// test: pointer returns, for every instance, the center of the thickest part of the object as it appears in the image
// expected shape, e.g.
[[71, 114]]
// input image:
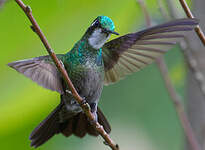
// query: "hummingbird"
[[92, 63]]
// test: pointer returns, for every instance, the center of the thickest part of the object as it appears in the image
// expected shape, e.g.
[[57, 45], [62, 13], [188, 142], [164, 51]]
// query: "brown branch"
[[178, 105], [176, 100], [188, 52], [164, 13], [189, 14], [146, 14], [85, 106]]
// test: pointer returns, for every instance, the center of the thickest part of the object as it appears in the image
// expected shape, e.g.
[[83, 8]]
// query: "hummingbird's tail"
[[47, 128], [80, 126], [77, 125]]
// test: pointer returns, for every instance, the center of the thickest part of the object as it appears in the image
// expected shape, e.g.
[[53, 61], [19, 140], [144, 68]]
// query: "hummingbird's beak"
[[111, 32]]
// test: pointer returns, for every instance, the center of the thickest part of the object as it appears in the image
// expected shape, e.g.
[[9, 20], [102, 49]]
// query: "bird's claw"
[[69, 92], [90, 107], [83, 102]]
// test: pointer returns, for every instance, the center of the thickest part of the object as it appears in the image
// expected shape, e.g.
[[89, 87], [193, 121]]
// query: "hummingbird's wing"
[[132, 52], [41, 70]]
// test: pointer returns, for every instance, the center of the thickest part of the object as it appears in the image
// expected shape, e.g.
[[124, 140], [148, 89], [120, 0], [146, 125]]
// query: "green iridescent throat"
[[81, 51]]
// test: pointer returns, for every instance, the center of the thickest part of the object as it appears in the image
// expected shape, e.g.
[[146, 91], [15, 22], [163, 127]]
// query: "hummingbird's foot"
[[83, 102], [93, 122], [93, 107], [69, 92]]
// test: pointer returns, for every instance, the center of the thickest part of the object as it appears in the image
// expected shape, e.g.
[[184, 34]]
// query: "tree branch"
[[188, 52], [178, 105], [84, 105], [176, 100], [190, 15]]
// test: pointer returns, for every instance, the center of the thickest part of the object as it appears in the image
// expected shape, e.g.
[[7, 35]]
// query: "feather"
[[41, 70], [131, 52], [46, 129]]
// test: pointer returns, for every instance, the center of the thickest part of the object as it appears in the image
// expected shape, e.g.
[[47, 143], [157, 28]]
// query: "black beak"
[[112, 32]]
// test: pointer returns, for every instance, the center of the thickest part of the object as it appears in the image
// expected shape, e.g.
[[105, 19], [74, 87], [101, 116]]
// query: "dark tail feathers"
[[77, 125]]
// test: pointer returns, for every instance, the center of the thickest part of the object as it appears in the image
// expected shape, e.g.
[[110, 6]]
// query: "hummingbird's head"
[[100, 30]]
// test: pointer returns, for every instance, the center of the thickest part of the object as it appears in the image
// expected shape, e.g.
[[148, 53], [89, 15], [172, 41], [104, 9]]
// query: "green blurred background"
[[138, 108]]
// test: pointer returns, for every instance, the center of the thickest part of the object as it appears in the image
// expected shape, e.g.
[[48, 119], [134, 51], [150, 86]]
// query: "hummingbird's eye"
[[95, 23]]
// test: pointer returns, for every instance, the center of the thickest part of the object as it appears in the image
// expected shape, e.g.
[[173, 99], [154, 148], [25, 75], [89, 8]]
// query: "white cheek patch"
[[98, 39]]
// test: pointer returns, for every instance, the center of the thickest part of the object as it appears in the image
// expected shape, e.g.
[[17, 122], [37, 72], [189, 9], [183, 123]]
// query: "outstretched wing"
[[41, 70], [132, 52]]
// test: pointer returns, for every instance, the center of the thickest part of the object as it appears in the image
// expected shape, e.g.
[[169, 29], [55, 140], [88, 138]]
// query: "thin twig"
[[189, 14], [188, 52], [146, 14], [85, 106], [176, 100], [164, 13]]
